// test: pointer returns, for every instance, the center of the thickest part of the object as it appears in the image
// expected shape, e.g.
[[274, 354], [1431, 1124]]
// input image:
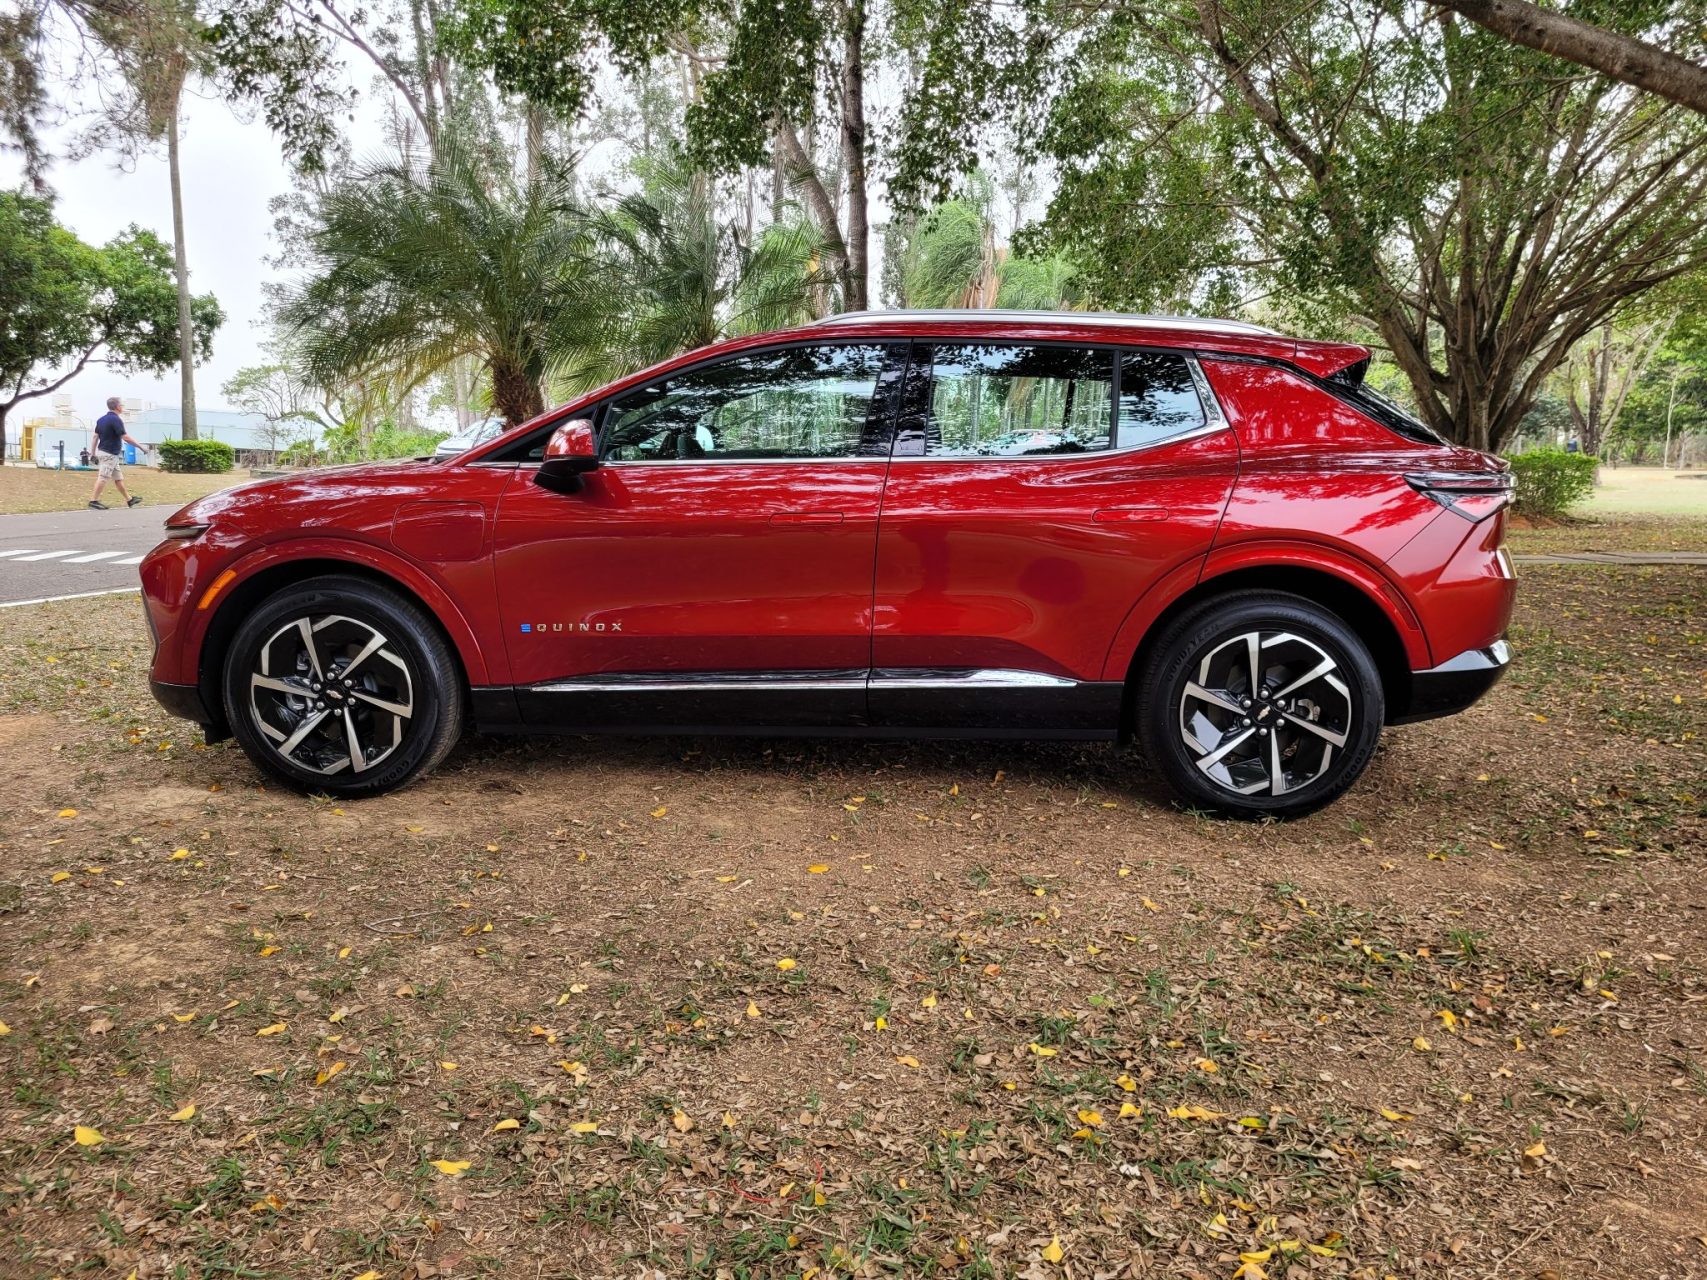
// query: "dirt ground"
[[41, 489], [730, 1008]]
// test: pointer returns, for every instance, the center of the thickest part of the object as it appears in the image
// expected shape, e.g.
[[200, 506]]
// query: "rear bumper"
[[1455, 684]]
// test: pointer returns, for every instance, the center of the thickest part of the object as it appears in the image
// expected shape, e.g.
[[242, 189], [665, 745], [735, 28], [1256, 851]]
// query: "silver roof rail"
[[999, 314]]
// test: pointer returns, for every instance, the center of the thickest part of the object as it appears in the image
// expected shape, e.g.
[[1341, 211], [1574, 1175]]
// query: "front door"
[[1037, 491], [716, 569]]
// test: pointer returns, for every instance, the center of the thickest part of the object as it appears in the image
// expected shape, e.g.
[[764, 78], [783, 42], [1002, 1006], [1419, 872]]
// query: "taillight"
[[1475, 495]]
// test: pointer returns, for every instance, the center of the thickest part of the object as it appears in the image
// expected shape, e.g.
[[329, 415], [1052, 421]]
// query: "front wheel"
[[342, 686], [1260, 704]]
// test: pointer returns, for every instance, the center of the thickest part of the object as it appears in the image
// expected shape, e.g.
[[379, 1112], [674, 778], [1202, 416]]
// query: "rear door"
[[716, 569], [1037, 490]]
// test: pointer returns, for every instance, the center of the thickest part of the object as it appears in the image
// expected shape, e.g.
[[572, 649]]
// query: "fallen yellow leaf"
[[1126, 1083], [660, 811], [1421, 1044], [504, 1126], [87, 1137], [1092, 1118], [451, 1168], [681, 1120], [186, 1113], [907, 1060], [321, 1077], [584, 1126], [818, 868], [1041, 1050], [1130, 1111], [68, 813], [1053, 1252], [272, 1030], [785, 964], [752, 1009], [929, 1002]]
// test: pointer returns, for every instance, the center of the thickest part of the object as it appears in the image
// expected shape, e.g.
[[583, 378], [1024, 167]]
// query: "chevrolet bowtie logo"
[[566, 628]]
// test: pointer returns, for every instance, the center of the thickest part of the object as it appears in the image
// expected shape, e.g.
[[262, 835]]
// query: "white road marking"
[[94, 555], [22, 551], [132, 560], [80, 595], [46, 555]]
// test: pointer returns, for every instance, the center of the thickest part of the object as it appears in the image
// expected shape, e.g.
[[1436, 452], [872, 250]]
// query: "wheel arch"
[[1371, 617], [266, 580]]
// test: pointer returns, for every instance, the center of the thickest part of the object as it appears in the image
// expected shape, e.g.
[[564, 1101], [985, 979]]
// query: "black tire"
[[411, 669], [1212, 733]]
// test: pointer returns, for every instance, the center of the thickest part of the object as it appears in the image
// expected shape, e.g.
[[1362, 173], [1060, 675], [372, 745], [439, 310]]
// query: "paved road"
[[68, 553]]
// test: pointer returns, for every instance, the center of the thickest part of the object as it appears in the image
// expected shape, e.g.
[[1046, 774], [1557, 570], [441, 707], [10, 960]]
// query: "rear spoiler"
[[1341, 362]]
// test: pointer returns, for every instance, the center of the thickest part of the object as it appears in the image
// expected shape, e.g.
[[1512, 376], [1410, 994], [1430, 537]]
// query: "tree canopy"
[[65, 305]]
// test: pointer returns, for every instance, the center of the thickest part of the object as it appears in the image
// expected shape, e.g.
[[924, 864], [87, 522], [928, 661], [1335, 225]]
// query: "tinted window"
[[1158, 399], [799, 402], [1009, 402]]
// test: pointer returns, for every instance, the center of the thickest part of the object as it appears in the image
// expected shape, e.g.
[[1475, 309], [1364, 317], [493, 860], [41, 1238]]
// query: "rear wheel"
[[1260, 704], [343, 686]]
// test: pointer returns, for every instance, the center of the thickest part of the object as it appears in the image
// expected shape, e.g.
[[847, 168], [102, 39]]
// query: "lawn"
[[588, 1008], [1649, 491], [40, 489]]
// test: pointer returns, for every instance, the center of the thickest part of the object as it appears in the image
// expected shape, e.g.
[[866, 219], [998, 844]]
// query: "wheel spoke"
[[296, 688], [1315, 673], [1195, 690], [1338, 739], [372, 647], [306, 628], [1253, 651], [358, 760], [1214, 757], [1276, 775], [308, 725], [401, 710]]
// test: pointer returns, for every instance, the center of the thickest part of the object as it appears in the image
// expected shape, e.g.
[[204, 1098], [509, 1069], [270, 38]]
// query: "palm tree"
[[678, 278], [953, 261], [419, 261]]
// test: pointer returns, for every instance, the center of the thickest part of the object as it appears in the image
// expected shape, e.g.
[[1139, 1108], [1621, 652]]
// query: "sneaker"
[[97, 506], [134, 500]]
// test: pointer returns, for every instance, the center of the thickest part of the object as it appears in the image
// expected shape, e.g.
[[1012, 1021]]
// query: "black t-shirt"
[[109, 433]]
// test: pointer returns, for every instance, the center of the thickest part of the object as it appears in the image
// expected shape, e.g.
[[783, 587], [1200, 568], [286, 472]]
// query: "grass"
[[1649, 491], [1086, 1022], [36, 489]]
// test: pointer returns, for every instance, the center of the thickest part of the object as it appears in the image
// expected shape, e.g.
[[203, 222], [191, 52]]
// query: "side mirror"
[[571, 452]]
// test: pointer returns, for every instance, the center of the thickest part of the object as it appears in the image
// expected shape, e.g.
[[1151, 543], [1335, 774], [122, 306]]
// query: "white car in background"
[[476, 433]]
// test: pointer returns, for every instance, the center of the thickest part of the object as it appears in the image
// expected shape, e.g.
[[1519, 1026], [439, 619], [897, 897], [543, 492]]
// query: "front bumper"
[[1456, 683], [186, 702]]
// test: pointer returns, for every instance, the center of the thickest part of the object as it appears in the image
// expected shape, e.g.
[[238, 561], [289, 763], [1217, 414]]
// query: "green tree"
[[67, 305], [953, 260], [677, 277], [1479, 206], [415, 262]]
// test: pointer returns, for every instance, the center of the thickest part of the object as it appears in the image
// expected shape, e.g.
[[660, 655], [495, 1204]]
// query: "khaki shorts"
[[108, 466]]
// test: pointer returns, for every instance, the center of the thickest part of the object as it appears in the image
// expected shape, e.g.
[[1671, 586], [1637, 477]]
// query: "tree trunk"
[[3, 409], [515, 393], [855, 292], [536, 140], [1611, 53], [186, 331]]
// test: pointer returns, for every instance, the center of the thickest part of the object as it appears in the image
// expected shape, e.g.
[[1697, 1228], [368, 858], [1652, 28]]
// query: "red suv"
[[1196, 533]]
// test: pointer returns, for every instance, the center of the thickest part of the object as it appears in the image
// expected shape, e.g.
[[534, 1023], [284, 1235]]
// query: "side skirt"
[[952, 703]]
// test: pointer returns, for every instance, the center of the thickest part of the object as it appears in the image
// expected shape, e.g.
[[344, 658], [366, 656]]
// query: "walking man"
[[110, 439]]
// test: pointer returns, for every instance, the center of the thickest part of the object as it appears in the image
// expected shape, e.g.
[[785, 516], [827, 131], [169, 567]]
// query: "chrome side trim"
[[706, 681], [964, 678], [789, 682]]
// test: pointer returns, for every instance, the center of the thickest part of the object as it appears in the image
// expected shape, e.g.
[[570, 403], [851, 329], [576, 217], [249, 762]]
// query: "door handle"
[[807, 517], [1129, 515]]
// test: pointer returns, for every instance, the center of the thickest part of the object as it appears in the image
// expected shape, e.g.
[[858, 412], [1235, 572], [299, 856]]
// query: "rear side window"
[[998, 401], [1158, 399]]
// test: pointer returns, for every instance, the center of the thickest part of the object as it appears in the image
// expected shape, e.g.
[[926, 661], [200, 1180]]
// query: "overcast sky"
[[231, 170]]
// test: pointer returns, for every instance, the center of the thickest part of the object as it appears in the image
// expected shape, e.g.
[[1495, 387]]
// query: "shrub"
[[1551, 481], [196, 455]]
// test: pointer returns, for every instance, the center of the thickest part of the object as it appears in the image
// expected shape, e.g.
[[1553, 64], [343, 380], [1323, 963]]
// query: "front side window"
[[989, 401], [1158, 399], [792, 403]]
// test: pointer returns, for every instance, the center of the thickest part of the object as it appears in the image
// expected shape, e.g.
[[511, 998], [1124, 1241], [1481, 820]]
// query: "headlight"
[[185, 531]]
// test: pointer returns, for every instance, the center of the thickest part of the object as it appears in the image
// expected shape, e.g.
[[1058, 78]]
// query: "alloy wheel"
[[331, 693], [1266, 713]]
